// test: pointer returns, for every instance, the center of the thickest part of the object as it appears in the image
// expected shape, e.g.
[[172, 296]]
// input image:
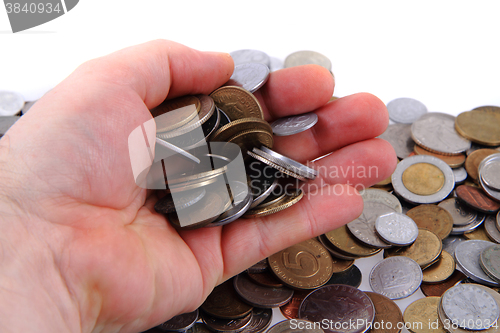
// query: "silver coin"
[[396, 277], [490, 261], [178, 150], [286, 162], [451, 242], [10, 103], [467, 255], [470, 306], [376, 203], [399, 136], [275, 64], [242, 199], [460, 175], [405, 110], [27, 106], [295, 326], [460, 230], [490, 172], [250, 76], [6, 122], [402, 191], [307, 57], [263, 179], [461, 214], [396, 229], [436, 132], [491, 228], [247, 55], [294, 124]]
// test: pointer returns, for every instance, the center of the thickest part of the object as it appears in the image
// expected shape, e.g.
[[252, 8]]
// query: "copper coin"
[[237, 103], [433, 218], [474, 159], [259, 267], [291, 309], [266, 279], [260, 296], [226, 325], [477, 199], [454, 161], [224, 302], [387, 314], [425, 250], [440, 288]]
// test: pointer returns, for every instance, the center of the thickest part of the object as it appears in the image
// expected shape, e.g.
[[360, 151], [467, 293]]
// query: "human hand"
[[82, 247]]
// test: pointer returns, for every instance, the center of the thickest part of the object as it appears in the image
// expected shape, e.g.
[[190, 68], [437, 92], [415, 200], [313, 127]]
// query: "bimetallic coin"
[[399, 136], [300, 58], [396, 277], [10, 103], [477, 199], [454, 161], [433, 218], [462, 215], [438, 289], [460, 175], [425, 250], [491, 228], [249, 56], [480, 125], [6, 122], [467, 255], [423, 179], [440, 270], [329, 303], [490, 261], [249, 76], [224, 302], [296, 326], [470, 307], [408, 193], [237, 103], [261, 296], [436, 132], [490, 173], [396, 229], [222, 325], [388, 316], [405, 110], [474, 159], [294, 124], [179, 323], [419, 315]]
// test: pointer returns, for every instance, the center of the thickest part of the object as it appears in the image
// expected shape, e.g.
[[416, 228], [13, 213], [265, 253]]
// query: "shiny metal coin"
[[491, 228], [295, 326], [275, 64], [224, 118], [294, 124], [239, 207], [402, 191], [182, 200], [451, 242], [405, 110], [177, 150], [396, 229], [6, 122], [247, 56], [436, 132], [467, 255], [262, 181], [261, 296], [462, 215], [399, 136], [249, 76], [10, 103], [490, 173], [300, 58], [490, 261], [460, 230], [396, 277], [179, 323], [460, 175], [492, 192]]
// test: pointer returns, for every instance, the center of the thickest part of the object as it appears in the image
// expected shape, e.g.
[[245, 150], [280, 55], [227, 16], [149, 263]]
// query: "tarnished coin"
[[261, 319], [425, 250], [436, 132], [388, 316], [376, 203], [180, 323], [399, 136], [259, 267], [490, 261], [237, 103], [249, 76], [291, 309], [491, 228], [437, 187], [396, 229], [454, 161], [260, 296], [294, 124], [248, 56], [440, 270], [467, 255], [174, 113], [300, 58], [421, 314], [351, 277], [474, 159], [288, 200], [462, 215], [460, 175], [432, 218], [306, 265], [405, 110], [438, 289], [226, 325], [480, 125], [10, 103], [188, 198], [224, 302], [265, 278], [6, 122], [343, 241], [295, 326], [477, 199], [451, 242], [198, 328], [329, 303], [396, 277], [470, 307]]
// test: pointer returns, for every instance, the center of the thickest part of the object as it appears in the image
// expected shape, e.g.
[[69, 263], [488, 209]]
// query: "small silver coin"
[[241, 203], [250, 76], [460, 230], [460, 175], [275, 64], [10, 103], [396, 277], [248, 55], [467, 255], [491, 228], [294, 124], [405, 110], [399, 136], [436, 132], [27, 106], [300, 58], [491, 173], [490, 261], [295, 326], [6, 122], [396, 229], [461, 214], [262, 180], [286, 162], [451, 242], [376, 203], [179, 323], [402, 191], [493, 193], [470, 307]]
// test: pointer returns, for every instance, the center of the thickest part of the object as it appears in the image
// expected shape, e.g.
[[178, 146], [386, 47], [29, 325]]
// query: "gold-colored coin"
[[247, 140], [423, 179], [306, 265], [480, 125], [421, 316], [341, 265], [478, 234], [433, 218], [387, 188], [425, 250], [174, 113], [441, 270], [342, 240], [237, 103], [384, 182], [333, 98], [454, 161], [237, 126], [474, 159], [288, 201]]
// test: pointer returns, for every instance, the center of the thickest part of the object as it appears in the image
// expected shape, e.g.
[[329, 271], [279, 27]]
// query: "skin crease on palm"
[[82, 249]]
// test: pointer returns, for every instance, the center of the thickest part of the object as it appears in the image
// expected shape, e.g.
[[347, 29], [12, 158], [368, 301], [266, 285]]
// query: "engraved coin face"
[[433, 218], [399, 136], [438, 289], [294, 124], [470, 307], [237, 103], [248, 56], [300, 58], [405, 110], [10, 103], [396, 277], [419, 314], [249, 76], [467, 255], [396, 229], [425, 250]]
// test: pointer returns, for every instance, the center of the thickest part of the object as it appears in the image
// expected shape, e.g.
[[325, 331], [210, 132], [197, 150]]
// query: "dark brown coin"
[[179, 323], [341, 305], [261, 319], [474, 159], [291, 309], [439, 289], [454, 161], [477, 199], [259, 267], [226, 325], [198, 328], [266, 279], [387, 314], [261, 296], [351, 277], [432, 218], [224, 302]]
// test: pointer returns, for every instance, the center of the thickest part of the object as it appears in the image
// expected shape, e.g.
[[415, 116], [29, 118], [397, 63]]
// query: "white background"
[[445, 54]]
